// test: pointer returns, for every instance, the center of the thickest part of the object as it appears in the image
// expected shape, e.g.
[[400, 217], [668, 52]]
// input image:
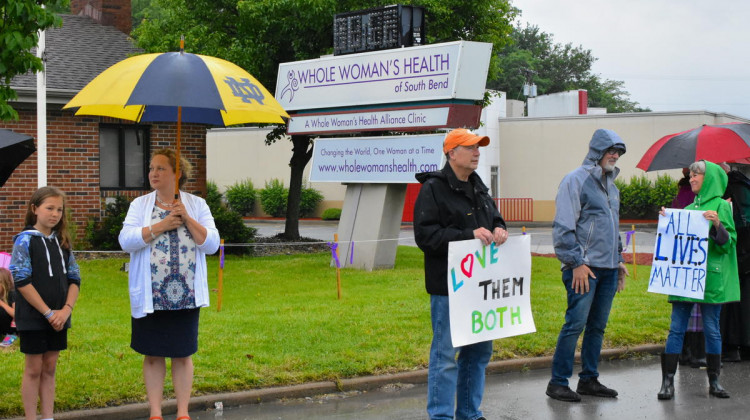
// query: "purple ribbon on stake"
[[628, 234], [351, 254], [221, 261], [333, 246]]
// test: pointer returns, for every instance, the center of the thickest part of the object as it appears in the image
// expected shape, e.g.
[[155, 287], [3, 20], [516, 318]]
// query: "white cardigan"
[[139, 273]]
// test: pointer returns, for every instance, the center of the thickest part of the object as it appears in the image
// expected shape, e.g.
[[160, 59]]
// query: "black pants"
[[5, 321]]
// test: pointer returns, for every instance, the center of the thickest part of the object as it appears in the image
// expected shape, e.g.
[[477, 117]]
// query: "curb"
[[206, 402]]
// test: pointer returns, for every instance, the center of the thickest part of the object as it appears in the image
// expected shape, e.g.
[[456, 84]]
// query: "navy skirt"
[[166, 333]]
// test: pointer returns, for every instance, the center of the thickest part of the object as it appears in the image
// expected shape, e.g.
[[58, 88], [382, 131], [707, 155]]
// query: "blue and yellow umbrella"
[[179, 87]]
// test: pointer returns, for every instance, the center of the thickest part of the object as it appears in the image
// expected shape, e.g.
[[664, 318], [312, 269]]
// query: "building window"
[[123, 154]]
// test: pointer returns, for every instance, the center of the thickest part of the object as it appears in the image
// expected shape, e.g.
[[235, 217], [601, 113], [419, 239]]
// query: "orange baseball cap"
[[463, 137]]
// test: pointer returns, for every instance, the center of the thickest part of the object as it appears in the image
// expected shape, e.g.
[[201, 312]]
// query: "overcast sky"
[[672, 54]]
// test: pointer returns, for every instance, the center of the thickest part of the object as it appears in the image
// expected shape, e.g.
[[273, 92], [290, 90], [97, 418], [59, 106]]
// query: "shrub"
[[233, 230], [102, 235], [229, 223], [273, 198], [641, 199], [664, 191], [213, 196], [309, 200], [241, 197], [331, 214]]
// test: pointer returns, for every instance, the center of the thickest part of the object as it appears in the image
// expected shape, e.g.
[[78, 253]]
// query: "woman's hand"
[[174, 219], [712, 217], [663, 211]]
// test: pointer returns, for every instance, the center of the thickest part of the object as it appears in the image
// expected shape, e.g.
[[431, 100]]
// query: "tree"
[[556, 68], [258, 35], [22, 20]]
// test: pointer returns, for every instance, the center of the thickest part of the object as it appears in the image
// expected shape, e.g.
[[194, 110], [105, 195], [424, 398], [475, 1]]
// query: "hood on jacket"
[[602, 140], [715, 183], [739, 177], [30, 231]]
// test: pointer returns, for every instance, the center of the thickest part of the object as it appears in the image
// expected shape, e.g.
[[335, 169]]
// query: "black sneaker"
[[593, 387], [562, 393]]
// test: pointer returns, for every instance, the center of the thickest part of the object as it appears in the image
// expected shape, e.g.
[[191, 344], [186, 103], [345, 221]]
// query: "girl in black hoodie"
[[47, 280]]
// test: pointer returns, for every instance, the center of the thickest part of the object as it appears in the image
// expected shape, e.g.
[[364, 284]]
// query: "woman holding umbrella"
[[168, 240], [708, 181]]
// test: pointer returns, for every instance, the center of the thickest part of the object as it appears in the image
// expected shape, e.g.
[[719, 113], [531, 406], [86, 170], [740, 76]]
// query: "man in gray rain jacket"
[[587, 243]]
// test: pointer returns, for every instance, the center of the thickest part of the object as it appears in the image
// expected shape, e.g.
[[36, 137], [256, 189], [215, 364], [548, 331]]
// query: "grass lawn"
[[281, 323]]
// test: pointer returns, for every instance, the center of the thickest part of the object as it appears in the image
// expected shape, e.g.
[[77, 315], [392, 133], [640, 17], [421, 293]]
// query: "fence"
[[516, 209]]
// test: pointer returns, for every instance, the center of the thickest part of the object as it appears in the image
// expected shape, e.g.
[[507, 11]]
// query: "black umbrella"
[[14, 149]]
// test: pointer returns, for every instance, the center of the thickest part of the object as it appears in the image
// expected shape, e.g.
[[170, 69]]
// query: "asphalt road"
[[541, 236], [520, 395]]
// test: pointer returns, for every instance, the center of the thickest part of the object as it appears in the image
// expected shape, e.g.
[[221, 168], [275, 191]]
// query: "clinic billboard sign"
[[452, 70]]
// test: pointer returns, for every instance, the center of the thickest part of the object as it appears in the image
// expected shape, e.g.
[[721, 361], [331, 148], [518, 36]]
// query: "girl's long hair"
[[6, 284], [61, 227]]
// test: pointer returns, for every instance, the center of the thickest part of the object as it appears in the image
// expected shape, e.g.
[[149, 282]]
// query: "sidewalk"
[[200, 404]]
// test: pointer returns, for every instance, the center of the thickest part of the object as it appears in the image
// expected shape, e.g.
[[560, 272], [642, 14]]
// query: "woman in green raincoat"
[[708, 181]]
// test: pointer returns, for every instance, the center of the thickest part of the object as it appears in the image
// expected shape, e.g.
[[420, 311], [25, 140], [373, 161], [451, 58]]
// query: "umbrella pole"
[[177, 168]]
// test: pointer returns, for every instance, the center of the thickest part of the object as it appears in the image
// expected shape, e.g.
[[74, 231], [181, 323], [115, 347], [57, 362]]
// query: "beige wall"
[[535, 153], [234, 154]]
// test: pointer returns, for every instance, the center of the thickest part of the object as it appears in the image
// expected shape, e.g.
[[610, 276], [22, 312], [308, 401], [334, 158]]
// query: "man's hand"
[[499, 235], [484, 235], [622, 272], [581, 276]]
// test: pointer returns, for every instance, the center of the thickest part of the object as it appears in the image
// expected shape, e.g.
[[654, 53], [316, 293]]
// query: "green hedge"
[[641, 198], [331, 214], [241, 197]]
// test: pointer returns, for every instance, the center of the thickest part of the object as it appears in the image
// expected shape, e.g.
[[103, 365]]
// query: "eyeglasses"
[[614, 150]]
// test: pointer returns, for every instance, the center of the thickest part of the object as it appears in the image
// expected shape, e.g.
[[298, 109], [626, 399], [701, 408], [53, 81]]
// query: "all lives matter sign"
[[489, 290], [680, 254]]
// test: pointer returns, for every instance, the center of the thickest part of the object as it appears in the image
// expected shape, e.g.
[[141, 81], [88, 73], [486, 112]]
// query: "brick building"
[[89, 158]]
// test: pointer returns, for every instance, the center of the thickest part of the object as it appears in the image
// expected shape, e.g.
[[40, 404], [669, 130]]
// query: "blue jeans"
[[450, 379], [590, 311], [680, 317]]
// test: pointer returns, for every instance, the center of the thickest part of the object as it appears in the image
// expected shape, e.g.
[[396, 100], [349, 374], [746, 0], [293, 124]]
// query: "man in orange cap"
[[454, 205]]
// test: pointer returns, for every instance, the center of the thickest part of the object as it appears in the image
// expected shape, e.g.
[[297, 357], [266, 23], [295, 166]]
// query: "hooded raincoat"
[[587, 216], [722, 284]]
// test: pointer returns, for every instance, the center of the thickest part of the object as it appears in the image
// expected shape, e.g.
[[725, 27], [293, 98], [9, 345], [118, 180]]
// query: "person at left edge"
[[453, 205], [168, 240]]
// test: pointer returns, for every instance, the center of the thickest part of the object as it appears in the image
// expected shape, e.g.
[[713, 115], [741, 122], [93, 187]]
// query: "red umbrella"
[[728, 142]]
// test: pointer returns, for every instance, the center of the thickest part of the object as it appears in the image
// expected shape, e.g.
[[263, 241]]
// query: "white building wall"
[[236, 154], [490, 126], [554, 104]]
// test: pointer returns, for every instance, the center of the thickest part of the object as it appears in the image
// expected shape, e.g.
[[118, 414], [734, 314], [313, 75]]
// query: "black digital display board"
[[380, 28]]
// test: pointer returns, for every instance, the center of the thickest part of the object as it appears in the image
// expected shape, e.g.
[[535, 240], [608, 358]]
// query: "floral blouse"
[[172, 267]]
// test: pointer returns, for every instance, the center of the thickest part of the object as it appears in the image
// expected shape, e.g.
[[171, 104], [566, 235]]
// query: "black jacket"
[[444, 212], [41, 262]]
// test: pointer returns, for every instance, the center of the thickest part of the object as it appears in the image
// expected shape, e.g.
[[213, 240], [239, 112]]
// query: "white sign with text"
[[489, 288], [680, 254], [451, 70], [387, 159], [368, 120]]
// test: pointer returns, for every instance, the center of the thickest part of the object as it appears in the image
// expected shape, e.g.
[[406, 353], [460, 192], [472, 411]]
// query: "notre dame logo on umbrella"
[[245, 90]]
